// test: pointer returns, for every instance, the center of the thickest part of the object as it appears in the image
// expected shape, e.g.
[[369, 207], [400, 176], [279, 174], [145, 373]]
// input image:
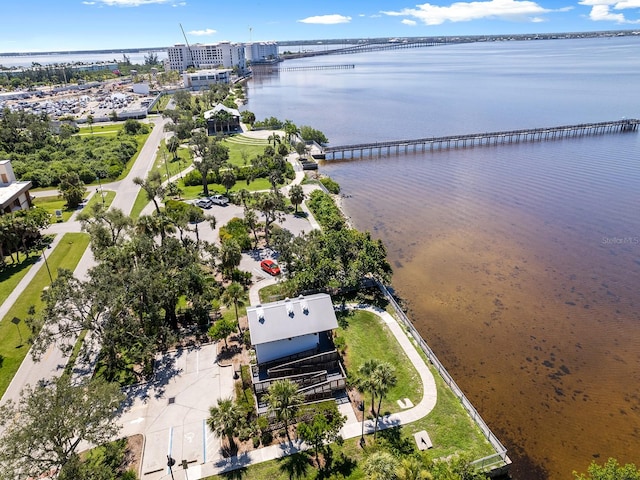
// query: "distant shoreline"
[[286, 43]]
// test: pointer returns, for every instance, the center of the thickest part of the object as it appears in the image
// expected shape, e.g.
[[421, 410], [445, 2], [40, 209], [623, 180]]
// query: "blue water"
[[519, 264]]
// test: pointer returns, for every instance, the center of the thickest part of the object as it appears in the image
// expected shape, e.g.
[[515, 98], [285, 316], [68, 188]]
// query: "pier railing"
[[496, 462], [481, 139]]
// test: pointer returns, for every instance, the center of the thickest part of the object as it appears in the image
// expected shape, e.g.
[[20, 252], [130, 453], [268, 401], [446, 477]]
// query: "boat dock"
[[480, 139]]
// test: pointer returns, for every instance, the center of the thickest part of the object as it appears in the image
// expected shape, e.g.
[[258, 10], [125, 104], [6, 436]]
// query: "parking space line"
[[170, 446]]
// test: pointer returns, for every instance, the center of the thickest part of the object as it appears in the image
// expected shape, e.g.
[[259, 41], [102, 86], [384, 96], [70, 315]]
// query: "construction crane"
[[192, 64]]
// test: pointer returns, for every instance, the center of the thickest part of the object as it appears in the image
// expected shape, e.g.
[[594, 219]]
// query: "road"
[[53, 361]]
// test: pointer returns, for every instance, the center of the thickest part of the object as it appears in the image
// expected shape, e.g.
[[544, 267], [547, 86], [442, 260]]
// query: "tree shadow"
[[237, 474], [295, 466], [396, 443], [340, 467]]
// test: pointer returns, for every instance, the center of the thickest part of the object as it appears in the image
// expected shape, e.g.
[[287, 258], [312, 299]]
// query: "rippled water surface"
[[520, 263]]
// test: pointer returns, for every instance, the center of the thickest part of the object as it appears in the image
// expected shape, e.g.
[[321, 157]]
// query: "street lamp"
[[47, 265], [362, 440], [101, 192], [170, 463]]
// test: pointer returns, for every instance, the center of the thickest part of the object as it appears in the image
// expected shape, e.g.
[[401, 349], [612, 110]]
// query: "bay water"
[[520, 264]]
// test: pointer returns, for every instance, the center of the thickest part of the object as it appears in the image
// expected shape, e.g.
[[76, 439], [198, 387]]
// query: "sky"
[[65, 25]]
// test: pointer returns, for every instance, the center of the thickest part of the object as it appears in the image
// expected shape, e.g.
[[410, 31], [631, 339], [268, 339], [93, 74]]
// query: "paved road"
[[53, 361]]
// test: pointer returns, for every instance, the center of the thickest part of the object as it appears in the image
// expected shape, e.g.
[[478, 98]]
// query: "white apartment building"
[[206, 56], [14, 195], [204, 78], [261, 52]]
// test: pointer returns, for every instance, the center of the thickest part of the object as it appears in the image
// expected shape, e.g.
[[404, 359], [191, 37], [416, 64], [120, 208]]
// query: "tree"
[[152, 187], [233, 296], [275, 138], [322, 429], [90, 120], [296, 195], [172, 145], [271, 206], [412, 468], [611, 470], [226, 419], [365, 381], [284, 401], [72, 189], [380, 465], [44, 429], [309, 134], [384, 378], [221, 329], [227, 179], [230, 256], [290, 130]]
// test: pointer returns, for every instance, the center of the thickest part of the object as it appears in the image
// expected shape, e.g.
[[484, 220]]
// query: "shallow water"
[[520, 263]]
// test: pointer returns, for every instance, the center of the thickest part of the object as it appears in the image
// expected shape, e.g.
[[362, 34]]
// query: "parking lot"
[[171, 410]]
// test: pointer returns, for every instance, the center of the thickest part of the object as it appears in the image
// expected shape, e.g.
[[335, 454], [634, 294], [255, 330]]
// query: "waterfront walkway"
[[481, 139]]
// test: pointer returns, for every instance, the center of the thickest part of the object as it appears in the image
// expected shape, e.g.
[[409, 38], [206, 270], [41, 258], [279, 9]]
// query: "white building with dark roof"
[[14, 195], [288, 327]]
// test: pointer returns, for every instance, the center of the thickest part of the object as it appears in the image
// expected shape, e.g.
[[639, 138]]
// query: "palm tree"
[[411, 468], [233, 295], [275, 138], [365, 380], [152, 187], [296, 195], [284, 400], [226, 419], [380, 465], [172, 145], [384, 378]]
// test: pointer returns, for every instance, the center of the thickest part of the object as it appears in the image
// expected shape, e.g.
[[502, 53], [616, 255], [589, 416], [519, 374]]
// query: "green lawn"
[[110, 130], [11, 275], [139, 204], [368, 338], [12, 350], [52, 204], [108, 196], [242, 150]]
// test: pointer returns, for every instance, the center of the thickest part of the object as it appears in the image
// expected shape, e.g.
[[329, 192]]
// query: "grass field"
[[52, 204], [13, 339], [12, 274]]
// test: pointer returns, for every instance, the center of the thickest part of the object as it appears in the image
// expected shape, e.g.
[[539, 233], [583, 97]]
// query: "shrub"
[[330, 185]]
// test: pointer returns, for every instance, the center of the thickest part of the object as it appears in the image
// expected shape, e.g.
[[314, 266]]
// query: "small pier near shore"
[[480, 139]]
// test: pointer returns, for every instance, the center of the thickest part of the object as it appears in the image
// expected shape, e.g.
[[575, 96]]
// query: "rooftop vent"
[[260, 312], [305, 307]]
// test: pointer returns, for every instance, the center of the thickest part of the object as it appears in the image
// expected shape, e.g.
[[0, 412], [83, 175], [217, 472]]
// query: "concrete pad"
[[406, 403], [422, 440]]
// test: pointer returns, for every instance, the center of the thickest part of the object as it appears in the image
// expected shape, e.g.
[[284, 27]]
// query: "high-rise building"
[[261, 52], [207, 56]]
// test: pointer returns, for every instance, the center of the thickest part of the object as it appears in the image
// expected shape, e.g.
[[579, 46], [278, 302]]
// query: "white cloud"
[[131, 3], [326, 19], [202, 33], [516, 10], [601, 10], [411, 23], [88, 3], [179, 4]]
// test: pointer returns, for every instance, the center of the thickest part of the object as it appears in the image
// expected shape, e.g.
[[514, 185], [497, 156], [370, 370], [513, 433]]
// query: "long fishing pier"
[[481, 139], [262, 69]]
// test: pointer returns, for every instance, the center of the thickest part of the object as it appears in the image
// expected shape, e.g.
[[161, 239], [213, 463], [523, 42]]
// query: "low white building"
[[14, 195], [291, 326], [204, 78]]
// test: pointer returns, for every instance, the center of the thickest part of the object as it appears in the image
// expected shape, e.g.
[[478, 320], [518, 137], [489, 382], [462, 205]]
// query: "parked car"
[[219, 200], [270, 267], [204, 203]]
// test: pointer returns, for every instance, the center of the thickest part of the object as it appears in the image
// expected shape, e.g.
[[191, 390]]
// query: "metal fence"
[[491, 462]]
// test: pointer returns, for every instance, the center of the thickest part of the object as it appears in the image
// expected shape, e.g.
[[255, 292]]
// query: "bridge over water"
[[481, 139], [366, 47]]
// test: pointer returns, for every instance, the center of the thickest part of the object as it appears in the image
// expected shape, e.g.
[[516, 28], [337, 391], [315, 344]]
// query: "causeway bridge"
[[480, 139], [366, 47]]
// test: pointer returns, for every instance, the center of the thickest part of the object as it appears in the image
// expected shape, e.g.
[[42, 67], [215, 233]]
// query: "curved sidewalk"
[[353, 428]]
